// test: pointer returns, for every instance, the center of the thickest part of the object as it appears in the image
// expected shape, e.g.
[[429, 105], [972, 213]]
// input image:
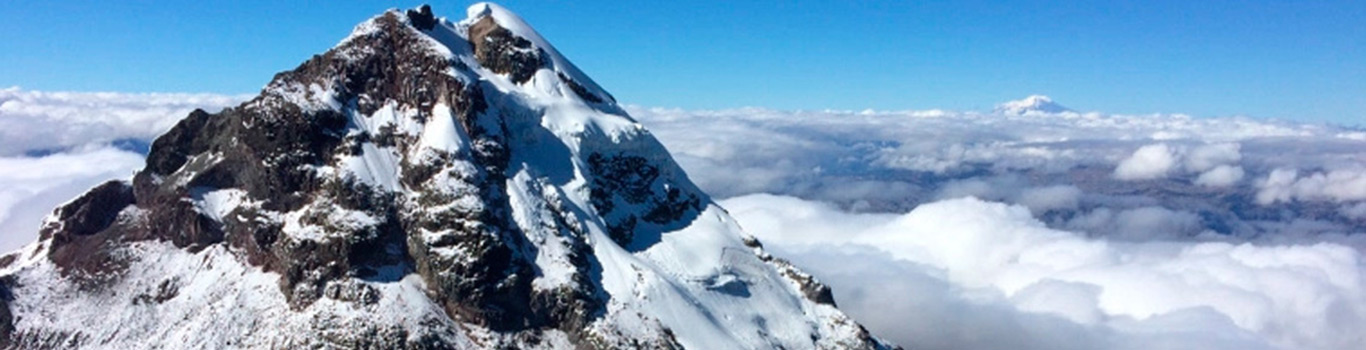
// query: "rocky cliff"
[[425, 184]]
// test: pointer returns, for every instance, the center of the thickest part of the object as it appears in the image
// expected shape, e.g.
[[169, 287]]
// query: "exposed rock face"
[[422, 18], [80, 237], [6, 319], [499, 50], [424, 184]]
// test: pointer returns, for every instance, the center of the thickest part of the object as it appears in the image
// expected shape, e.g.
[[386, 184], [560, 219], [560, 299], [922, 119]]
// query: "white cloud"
[[1077, 302], [1354, 135], [814, 154], [894, 160], [1157, 161], [982, 261], [30, 187], [1277, 187], [1284, 185], [1220, 176], [1206, 157], [1083, 261], [1149, 162], [53, 121]]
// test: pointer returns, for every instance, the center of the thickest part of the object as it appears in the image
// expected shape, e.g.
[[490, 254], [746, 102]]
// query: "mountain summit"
[[425, 184], [1032, 104]]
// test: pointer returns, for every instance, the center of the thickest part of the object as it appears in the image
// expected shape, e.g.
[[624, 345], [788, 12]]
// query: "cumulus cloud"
[[1148, 162], [1283, 185], [967, 273], [1220, 176], [1206, 157], [1160, 160]]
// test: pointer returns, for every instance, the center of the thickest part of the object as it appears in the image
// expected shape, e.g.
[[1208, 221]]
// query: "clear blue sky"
[[1303, 60]]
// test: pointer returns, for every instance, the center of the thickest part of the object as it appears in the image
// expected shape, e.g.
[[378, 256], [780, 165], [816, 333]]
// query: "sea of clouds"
[[1010, 229], [1032, 229]]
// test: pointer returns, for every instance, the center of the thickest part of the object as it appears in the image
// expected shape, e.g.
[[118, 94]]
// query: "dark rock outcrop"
[[6, 317], [80, 238], [499, 50], [582, 91], [422, 18], [93, 211], [627, 180], [268, 148], [327, 180]]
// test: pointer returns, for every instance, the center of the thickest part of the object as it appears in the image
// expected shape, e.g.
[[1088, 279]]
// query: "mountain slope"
[[423, 184]]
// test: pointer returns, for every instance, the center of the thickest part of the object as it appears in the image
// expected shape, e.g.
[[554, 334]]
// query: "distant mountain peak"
[[1032, 104]]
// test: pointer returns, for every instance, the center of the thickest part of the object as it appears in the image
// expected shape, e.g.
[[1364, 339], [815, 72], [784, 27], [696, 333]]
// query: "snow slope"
[[1034, 104], [550, 170]]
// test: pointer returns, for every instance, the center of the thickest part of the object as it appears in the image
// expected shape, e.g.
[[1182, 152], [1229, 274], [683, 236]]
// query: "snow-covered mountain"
[[1031, 104], [424, 184]]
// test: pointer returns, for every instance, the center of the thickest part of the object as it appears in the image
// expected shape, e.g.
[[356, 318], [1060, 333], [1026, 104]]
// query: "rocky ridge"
[[424, 184]]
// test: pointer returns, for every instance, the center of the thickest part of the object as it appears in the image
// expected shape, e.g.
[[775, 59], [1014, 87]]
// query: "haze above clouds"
[[1022, 228]]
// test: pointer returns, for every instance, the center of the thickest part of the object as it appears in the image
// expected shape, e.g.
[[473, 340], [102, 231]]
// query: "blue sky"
[[1302, 60]]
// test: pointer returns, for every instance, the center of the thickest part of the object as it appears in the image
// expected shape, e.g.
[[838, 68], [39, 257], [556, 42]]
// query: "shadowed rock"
[[503, 52]]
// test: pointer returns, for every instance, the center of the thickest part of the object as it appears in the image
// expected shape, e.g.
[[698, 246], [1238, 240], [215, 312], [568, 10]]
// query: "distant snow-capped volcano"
[[1031, 104]]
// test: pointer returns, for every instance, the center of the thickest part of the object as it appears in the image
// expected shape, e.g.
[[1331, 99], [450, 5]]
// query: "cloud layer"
[[1052, 230], [30, 187], [941, 229], [968, 273], [1234, 178], [37, 122]]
